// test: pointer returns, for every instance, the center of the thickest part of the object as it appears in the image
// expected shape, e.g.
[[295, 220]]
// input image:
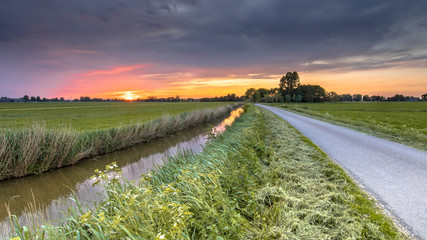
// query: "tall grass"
[[37, 149], [259, 180]]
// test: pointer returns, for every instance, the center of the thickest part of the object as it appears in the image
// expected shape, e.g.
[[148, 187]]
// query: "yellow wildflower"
[[85, 217]]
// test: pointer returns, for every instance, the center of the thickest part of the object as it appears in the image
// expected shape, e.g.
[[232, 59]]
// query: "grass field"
[[403, 122], [261, 179], [36, 148], [89, 116]]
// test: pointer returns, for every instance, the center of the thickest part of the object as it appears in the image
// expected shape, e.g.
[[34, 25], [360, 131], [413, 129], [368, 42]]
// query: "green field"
[[404, 122], [92, 115], [261, 179], [35, 138]]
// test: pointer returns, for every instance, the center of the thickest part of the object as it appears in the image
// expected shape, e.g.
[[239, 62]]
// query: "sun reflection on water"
[[228, 121]]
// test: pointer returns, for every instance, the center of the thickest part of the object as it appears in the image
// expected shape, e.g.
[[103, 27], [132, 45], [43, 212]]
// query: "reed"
[[38, 148], [261, 179]]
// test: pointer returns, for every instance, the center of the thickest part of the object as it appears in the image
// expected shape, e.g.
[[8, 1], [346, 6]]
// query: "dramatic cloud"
[[46, 45]]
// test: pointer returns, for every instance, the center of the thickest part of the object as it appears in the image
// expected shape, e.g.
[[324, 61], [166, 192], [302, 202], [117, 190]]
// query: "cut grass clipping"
[[261, 179], [402, 122], [38, 149]]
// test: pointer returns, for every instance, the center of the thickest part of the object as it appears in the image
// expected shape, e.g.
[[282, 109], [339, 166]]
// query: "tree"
[[249, 93], [333, 97], [279, 97], [263, 92], [312, 93], [346, 98], [319, 94], [307, 93], [84, 99], [256, 97], [289, 83], [357, 97], [26, 98], [377, 98], [273, 92], [424, 97], [366, 98], [397, 97]]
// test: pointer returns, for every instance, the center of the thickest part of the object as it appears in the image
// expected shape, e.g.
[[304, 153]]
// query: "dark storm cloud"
[[220, 33]]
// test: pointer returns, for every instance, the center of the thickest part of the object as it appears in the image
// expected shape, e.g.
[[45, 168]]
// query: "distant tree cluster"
[[168, 99], [228, 98], [291, 90], [26, 98]]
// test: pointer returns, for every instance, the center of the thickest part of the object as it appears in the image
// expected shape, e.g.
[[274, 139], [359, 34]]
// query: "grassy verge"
[[400, 122], [261, 179], [37, 149]]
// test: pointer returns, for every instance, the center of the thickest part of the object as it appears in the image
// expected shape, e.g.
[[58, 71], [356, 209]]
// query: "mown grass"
[[92, 115], [403, 122], [261, 179], [37, 149]]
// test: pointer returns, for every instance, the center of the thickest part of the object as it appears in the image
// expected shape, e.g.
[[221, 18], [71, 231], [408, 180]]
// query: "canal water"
[[38, 199]]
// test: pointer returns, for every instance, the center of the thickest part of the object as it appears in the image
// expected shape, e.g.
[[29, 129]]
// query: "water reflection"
[[228, 121], [48, 195]]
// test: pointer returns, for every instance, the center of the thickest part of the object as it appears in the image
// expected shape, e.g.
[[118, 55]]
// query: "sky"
[[206, 48]]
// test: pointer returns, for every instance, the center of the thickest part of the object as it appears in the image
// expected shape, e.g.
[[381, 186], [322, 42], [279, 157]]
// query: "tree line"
[[26, 98], [291, 90], [227, 98]]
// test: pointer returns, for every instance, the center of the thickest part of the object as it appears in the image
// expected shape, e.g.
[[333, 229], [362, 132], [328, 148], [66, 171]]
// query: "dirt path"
[[395, 174]]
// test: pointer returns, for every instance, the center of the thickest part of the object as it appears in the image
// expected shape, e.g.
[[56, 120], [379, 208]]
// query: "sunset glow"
[[129, 95], [134, 83]]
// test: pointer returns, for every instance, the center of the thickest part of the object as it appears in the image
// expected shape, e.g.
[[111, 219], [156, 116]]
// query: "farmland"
[[90, 116], [261, 179], [403, 122], [30, 147]]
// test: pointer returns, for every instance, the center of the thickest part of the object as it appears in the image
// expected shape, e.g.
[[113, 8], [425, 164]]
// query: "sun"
[[129, 95]]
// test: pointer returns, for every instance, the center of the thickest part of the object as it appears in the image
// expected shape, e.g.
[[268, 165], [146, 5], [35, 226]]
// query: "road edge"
[[398, 223]]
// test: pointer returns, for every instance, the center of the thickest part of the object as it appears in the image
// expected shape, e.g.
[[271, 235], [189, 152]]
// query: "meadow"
[[403, 122], [90, 115], [34, 147], [261, 179]]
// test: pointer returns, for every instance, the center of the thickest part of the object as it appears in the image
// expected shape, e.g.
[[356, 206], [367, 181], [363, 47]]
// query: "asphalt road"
[[394, 173]]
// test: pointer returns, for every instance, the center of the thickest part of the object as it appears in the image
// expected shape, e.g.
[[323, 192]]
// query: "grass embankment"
[[403, 122], [37, 149], [261, 179], [83, 116]]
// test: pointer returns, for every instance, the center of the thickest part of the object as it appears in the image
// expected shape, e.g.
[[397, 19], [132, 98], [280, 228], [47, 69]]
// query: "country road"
[[395, 174]]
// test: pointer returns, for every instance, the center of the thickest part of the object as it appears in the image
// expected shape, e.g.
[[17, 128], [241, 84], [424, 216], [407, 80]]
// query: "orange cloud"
[[116, 70]]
